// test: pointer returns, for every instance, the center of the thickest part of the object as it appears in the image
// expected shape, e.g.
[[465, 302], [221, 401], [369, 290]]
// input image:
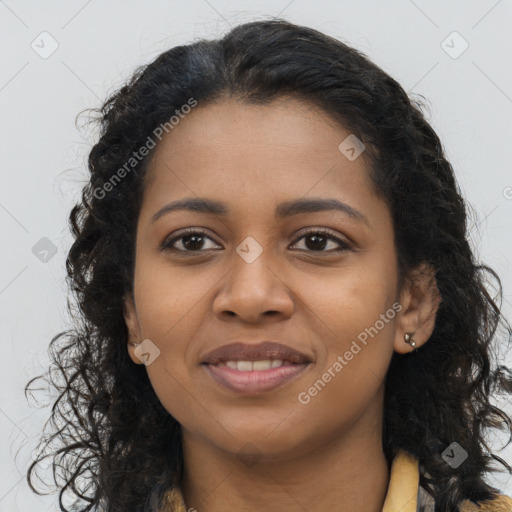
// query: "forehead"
[[253, 154], [286, 126]]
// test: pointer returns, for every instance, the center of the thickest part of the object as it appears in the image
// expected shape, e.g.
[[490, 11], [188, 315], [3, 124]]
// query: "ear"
[[420, 299], [132, 324]]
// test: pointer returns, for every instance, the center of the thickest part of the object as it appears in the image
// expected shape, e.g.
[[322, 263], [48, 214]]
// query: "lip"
[[255, 352], [255, 381]]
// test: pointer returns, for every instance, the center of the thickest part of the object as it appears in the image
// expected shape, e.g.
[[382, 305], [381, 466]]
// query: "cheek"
[[351, 376], [169, 301], [353, 298], [171, 310], [355, 318], [182, 401]]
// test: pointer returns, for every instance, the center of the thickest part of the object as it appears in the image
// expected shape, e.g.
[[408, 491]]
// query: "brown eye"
[[191, 240], [317, 240]]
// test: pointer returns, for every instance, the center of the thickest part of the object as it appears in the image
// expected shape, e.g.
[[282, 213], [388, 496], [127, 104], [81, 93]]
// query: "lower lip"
[[255, 381]]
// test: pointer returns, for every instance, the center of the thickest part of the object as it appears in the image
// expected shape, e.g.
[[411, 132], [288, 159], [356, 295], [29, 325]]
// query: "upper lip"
[[255, 352]]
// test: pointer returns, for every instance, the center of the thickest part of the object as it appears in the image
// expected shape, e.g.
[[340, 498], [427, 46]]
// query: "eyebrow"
[[283, 210]]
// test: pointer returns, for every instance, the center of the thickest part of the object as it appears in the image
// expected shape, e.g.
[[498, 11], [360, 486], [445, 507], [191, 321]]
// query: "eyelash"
[[167, 245]]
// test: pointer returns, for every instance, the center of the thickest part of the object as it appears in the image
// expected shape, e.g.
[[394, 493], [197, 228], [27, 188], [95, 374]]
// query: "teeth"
[[261, 365], [244, 366], [247, 366]]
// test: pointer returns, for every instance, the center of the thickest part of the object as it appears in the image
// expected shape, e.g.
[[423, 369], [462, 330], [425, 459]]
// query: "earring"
[[134, 343], [408, 339]]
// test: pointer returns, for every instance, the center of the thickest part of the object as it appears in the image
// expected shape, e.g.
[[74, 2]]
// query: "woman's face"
[[260, 272]]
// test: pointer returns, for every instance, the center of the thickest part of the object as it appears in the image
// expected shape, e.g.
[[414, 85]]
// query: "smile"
[[254, 377]]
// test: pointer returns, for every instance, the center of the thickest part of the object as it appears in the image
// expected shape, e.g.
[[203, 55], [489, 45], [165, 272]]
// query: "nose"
[[253, 291]]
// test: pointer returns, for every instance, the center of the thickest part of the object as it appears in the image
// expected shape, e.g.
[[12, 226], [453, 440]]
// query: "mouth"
[[253, 369]]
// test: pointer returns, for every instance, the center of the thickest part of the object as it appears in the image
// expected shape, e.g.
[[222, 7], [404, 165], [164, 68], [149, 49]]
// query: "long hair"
[[119, 448]]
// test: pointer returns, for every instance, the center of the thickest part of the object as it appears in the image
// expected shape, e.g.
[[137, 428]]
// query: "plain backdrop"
[[67, 56]]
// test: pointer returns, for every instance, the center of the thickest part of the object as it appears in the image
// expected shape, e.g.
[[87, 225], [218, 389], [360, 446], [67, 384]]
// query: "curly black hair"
[[115, 445]]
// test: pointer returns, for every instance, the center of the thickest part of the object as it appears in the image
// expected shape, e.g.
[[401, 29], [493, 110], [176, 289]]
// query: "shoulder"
[[500, 503]]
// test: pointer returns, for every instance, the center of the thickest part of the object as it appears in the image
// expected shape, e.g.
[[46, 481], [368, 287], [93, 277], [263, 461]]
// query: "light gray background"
[[100, 43]]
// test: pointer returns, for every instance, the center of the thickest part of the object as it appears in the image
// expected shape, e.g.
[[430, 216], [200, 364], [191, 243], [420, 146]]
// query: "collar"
[[402, 495], [404, 491]]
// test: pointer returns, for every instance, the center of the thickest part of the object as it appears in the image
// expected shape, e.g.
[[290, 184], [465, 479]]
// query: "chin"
[[265, 441]]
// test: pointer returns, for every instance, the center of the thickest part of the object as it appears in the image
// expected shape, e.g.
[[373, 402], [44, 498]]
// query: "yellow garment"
[[401, 496]]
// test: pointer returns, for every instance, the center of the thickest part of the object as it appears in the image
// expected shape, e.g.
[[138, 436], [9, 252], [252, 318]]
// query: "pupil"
[[191, 246], [315, 244]]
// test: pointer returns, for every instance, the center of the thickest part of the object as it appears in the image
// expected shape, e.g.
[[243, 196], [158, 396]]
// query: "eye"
[[191, 239], [319, 238]]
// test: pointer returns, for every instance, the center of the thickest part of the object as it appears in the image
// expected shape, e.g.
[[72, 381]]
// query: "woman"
[[278, 305]]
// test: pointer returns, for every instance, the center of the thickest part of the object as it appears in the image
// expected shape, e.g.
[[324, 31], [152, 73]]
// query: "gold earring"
[[408, 339]]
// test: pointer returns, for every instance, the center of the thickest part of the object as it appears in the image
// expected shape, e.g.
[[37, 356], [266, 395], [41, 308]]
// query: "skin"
[[243, 452]]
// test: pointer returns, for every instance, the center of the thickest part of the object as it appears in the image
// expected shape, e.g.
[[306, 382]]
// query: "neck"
[[345, 474]]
